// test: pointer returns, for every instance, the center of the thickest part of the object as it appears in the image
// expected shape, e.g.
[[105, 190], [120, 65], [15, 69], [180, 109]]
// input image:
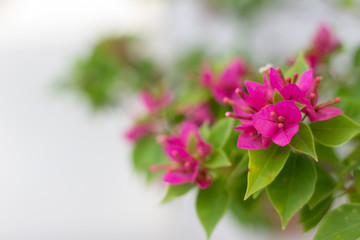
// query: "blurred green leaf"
[[217, 159], [175, 191], [341, 223], [309, 218], [211, 205], [147, 152], [324, 187], [293, 187]]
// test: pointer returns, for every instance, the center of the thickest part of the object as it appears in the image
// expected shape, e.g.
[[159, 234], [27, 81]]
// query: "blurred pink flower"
[[139, 131], [198, 114], [155, 103], [224, 85], [187, 151], [323, 44]]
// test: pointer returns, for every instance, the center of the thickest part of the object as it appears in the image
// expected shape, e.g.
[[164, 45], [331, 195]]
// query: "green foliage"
[[309, 218], [220, 132], [326, 154], [341, 223], [324, 187], [303, 141], [299, 66], [211, 205], [217, 159], [175, 191], [335, 131], [293, 187], [114, 67], [357, 180], [264, 166], [147, 152]]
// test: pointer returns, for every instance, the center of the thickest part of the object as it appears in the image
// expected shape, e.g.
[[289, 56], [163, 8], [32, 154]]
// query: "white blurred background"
[[65, 173]]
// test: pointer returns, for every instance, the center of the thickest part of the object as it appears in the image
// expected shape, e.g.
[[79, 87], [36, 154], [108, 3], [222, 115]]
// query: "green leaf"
[[324, 187], [148, 152], [175, 191], [341, 223], [211, 205], [309, 218], [357, 179], [293, 187], [335, 131], [303, 141], [240, 168], [326, 154], [217, 159], [220, 132], [299, 105], [277, 97], [299, 66], [264, 166]]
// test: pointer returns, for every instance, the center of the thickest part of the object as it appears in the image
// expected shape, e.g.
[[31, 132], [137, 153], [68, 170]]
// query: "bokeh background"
[[65, 171]]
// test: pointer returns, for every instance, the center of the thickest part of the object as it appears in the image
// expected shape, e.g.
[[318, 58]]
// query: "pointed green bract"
[[309, 218], [211, 205], [175, 191], [220, 132], [264, 166], [217, 159], [299, 66], [324, 187], [277, 97], [341, 223], [303, 141], [335, 131], [293, 187]]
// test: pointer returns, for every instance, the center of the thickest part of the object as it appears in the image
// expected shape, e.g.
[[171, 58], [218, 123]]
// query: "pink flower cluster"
[[187, 151], [323, 44], [265, 121], [225, 84], [153, 105]]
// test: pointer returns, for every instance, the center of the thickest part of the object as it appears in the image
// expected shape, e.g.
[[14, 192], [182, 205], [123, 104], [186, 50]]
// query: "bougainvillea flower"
[[139, 131], [155, 103], [224, 85], [279, 122], [198, 114], [187, 151], [309, 87], [323, 44], [304, 91]]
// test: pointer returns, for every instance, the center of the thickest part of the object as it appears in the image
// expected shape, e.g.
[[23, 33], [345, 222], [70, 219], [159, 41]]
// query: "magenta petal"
[[258, 93], [176, 178], [264, 123], [247, 141], [289, 110], [139, 131], [266, 141], [275, 80], [283, 136], [291, 92], [176, 152], [326, 113], [306, 82], [206, 76]]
